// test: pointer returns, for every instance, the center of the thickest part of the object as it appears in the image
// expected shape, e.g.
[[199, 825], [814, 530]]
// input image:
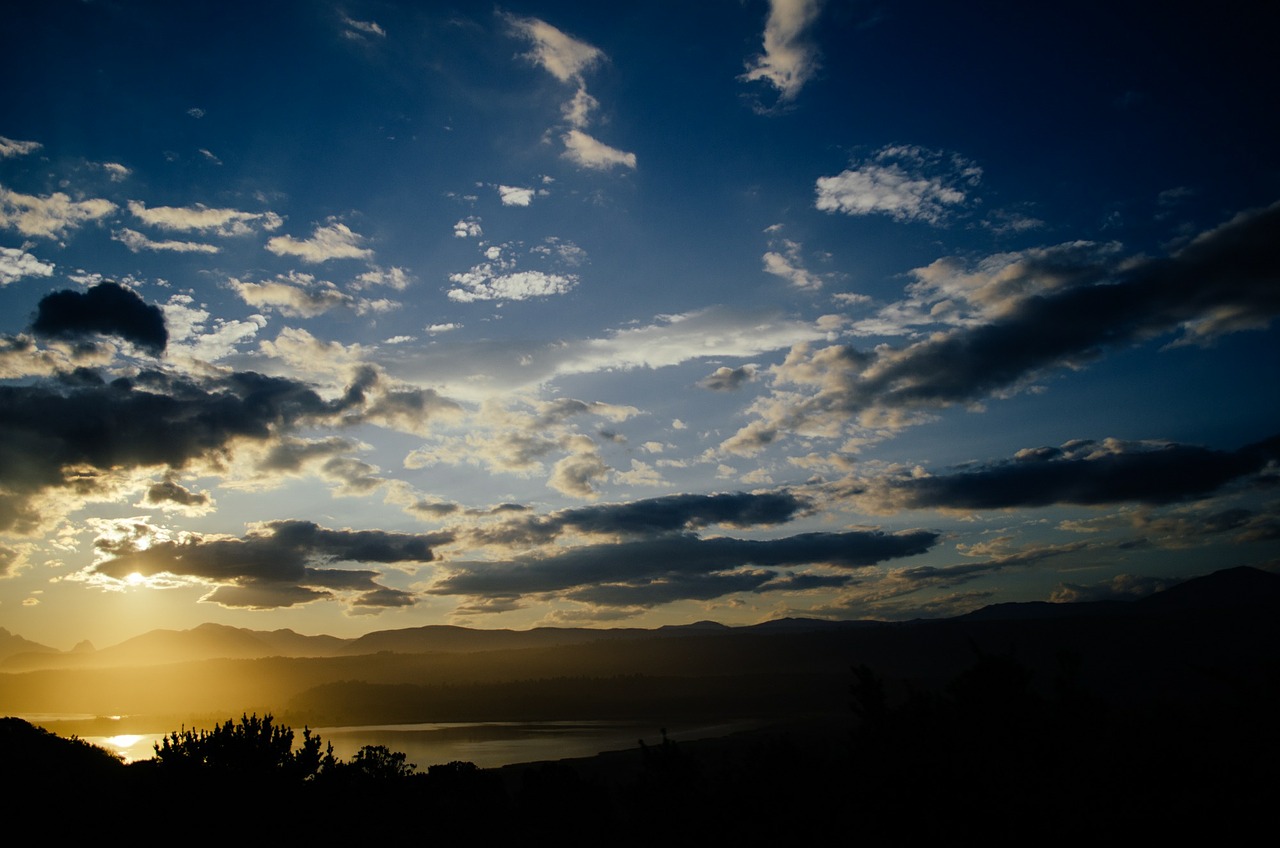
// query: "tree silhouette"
[[254, 746]]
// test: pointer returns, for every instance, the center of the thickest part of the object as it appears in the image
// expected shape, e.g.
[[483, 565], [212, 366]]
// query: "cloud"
[[202, 219], [106, 309], [905, 182], [561, 55], [10, 148], [725, 379], [518, 437], [360, 29], [1031, 322], [577, 112], [115, 171], [665, 568], [468, 228], [647, 517], [789, 59], [394, 278], [1082, 472], [276, 564], [334, 241], [788, 265], [82, 437], [1122, 587], [484, 282], [16, 264], [49, 217], [192, 331], [169, 495], [515, 196], [294, 294], [588, 152], [136, 242]]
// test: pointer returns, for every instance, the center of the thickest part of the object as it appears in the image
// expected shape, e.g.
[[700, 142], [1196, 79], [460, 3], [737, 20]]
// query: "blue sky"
[[352, 316]]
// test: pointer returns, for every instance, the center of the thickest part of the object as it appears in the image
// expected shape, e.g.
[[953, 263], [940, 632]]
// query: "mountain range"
[[1236, 588]]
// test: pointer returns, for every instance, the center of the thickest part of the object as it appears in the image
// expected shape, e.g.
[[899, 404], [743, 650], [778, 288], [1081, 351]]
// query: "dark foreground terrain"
[[1139, 722], [986, 758]]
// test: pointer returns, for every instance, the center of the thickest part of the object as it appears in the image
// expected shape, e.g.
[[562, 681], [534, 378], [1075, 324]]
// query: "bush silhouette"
[[254, 746]]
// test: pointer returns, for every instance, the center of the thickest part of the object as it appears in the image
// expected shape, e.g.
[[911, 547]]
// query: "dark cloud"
[[667, 514], [1227, 279], [726, 379], [281, 564], [1085, 473], [107, 309], [169, 492], [62, 435], [676, 560]]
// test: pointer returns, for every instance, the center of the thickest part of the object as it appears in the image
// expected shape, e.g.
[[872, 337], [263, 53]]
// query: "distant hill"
[[1230, 589], [11, 644]]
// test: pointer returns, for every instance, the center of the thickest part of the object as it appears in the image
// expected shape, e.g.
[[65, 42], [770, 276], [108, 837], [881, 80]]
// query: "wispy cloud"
[[561, 55], [201, 218], [361, 29], [789, 60], [567, 59], [10, 147], [136, 242]]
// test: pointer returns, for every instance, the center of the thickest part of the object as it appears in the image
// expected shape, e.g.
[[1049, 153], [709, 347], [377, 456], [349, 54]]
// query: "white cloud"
[[200, 218], [482, 283], [395, 278], [209, 154], [561, 55], [16, 264], [577, 112], [49, 216], [10, 147], [641, 474], [468, 228], [115, 171], [196, 112], [788, 265], [788, 61], [906, 183], [442, 328], [136, 241], [191, 331], [515, 196], [335, 241], [295, 294], [589, 152]]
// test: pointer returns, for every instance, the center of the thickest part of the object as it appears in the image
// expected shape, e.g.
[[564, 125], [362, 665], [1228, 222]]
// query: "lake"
[[487, 744]]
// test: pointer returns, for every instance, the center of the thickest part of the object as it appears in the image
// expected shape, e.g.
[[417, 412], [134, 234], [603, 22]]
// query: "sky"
[[354, 316]]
